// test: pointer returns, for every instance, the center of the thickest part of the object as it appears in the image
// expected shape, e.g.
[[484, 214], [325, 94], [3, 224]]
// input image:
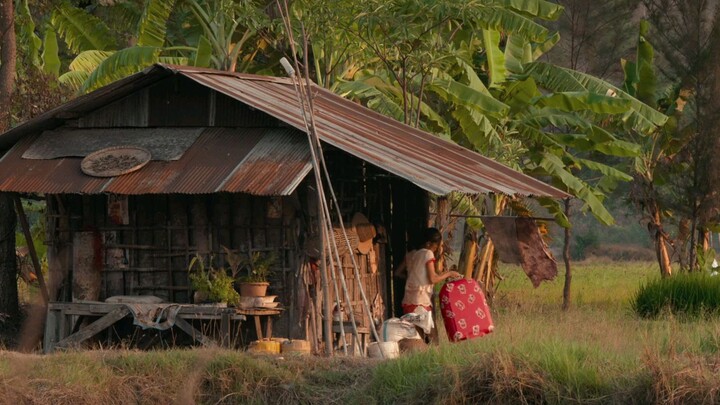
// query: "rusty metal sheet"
[[280, 160], [434, 164], [163, 143], [55, 176], [222, 159]]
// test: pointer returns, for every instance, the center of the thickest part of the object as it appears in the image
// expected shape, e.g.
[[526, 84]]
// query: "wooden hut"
[[230, 166]]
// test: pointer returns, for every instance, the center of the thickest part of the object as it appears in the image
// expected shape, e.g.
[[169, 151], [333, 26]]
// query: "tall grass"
[[687, 295], [598, 352]]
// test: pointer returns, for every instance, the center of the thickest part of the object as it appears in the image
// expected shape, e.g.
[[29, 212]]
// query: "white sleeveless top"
[[418, 288]]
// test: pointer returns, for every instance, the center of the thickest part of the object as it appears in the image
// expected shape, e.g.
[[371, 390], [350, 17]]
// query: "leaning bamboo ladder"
[[329, 243]]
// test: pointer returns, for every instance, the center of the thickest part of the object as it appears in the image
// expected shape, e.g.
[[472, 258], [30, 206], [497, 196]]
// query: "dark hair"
[[432, 235]]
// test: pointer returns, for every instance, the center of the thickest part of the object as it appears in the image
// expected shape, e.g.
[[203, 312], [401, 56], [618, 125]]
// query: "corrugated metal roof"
[[222, 159], [432, 163], [436, 165]]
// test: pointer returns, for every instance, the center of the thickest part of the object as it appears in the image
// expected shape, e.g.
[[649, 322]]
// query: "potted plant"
[[211, 284], [255, 282]]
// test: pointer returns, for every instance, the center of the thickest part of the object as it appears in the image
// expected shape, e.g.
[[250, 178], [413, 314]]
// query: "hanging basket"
[[253, 289]]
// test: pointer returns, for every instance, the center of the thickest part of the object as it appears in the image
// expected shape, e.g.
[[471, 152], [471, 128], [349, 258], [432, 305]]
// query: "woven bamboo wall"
[[370, 282], [150, 254]]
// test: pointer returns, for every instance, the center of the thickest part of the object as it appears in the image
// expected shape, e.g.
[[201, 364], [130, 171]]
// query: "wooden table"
[[59, 331], [259, 313]]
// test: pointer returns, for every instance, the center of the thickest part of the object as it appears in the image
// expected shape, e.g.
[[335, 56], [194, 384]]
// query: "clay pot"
[[254, 289]]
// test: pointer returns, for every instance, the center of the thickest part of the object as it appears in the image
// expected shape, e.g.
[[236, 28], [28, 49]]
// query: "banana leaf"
[[80, 30], [495, 58], [203, 55], [87, 61], [120, 64], [555, 167], [153, 24], [459, 93], [50, 58], [583, 100], [641, 117], [534, 8]]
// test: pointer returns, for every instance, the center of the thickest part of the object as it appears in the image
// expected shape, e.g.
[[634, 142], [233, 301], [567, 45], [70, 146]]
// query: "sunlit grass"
[[599, 351]]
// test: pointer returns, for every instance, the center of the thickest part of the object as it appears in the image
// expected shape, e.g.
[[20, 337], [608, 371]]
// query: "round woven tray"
[[115, 161]]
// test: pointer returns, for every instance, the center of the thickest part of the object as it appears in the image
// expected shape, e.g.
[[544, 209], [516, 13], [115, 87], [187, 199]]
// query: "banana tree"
[[335, 53], [42, 53], [225, 30], [99, 61], [479, 81], [228, 27], [549, 116], [659, 148]]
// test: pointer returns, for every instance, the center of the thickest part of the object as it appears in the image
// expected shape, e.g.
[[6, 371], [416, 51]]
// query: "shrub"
[[690, 295]]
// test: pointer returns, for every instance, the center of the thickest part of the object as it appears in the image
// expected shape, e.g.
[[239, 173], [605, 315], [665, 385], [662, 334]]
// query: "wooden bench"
[[60, 332]]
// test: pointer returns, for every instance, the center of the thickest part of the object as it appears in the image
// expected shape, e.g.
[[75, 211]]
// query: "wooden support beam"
[[194, 333], [95, 327], [31, 247]]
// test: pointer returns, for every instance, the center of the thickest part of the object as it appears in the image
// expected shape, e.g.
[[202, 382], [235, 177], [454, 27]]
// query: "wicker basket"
[[340, 242]]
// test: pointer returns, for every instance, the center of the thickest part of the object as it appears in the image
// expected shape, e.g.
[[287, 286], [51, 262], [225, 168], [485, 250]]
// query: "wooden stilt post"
[[31, 247]]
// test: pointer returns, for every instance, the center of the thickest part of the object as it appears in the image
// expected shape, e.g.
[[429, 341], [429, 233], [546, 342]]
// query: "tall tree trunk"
[[661, 243], [8, 266], [566, 259], [7, 61]]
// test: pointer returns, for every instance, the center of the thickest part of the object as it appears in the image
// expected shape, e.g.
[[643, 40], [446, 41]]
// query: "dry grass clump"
[[207, 376], [71, 378], [682, 379], [500, 379], [598, 352]]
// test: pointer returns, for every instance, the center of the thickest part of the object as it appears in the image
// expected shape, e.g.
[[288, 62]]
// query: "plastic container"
[[390, 350], [264, 347]]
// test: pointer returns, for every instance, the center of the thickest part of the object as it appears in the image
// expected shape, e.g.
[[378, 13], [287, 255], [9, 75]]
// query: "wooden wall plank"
[[130, 111]]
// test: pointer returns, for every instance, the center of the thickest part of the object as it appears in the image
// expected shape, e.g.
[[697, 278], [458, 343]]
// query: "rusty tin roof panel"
[[434, 164], [222, 159], [280, 160], [54, 176]]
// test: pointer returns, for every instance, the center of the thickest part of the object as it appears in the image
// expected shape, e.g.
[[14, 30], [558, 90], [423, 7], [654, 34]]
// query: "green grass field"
[[597, 352]]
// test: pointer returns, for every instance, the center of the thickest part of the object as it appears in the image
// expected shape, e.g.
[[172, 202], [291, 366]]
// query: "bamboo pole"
[[327, 312], [31, 247], [324, 215], [319, 164]]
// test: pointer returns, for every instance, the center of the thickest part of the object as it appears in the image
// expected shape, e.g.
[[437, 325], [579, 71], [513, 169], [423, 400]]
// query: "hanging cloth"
[[518, 241]]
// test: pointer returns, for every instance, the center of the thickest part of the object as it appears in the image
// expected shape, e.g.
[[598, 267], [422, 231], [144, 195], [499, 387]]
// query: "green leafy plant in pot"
[[255, 282], [211, 284]]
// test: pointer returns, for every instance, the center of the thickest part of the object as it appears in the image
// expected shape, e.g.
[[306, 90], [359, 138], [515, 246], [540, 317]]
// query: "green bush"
[[691, 295]]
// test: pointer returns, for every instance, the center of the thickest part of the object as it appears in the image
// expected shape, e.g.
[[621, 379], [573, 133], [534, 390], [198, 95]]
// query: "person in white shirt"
[[424, 267]]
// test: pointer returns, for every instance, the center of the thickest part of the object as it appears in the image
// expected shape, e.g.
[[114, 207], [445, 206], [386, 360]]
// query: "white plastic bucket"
[[390, 350]]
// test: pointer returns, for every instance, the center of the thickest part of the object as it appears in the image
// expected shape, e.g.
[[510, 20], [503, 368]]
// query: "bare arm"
[[435, 277]]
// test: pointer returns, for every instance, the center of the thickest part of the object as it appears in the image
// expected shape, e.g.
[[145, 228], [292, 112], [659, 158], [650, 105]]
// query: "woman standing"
[[424, 267]]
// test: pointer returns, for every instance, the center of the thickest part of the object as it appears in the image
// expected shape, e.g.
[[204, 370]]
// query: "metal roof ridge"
[[185, 70]]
